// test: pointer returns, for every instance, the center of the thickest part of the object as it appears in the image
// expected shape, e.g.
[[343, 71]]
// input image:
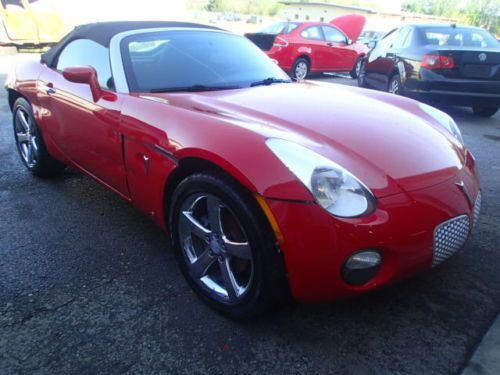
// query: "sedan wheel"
[[395, 85], [215, 248], [300, 69], [225, 246], [356, 71]]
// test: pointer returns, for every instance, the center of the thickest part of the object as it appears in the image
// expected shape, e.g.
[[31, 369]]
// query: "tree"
[[483, 13], [215, 6]]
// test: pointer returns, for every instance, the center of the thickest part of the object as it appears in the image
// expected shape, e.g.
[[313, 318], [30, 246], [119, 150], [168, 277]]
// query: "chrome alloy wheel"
[[358, 67], [301, 70], [26, 137], [215, 248], [394, 87]]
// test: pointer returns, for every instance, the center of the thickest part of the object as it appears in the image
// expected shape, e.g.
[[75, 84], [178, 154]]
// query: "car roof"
[[443, 25], [103, 32]]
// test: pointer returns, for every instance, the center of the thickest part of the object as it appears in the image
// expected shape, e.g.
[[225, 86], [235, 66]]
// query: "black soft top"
[[103, 32]]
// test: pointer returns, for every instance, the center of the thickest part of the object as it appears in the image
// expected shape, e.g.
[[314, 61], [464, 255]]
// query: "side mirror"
[[349, 42], [372, 44], [86, 75]]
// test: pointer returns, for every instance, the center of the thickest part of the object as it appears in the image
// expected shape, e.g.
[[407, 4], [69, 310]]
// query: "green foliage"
[[483, 13]]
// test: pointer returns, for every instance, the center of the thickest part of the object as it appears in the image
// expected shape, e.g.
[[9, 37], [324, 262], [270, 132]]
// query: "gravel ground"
[[89, 285]]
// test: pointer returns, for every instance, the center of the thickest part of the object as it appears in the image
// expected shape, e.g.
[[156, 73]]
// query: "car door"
[[379, 62], [341, 57], [86, 131], [313, 42]]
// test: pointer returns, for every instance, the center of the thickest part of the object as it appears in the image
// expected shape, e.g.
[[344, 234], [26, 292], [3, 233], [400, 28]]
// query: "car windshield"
[[280, 28], [458, 37], [195, 60]]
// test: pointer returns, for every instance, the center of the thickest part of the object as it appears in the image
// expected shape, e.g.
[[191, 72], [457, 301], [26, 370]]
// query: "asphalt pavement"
[[89, 285]]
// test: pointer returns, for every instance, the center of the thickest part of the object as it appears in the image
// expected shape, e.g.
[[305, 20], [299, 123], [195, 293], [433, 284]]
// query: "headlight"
[[444, 120], [333, 187]]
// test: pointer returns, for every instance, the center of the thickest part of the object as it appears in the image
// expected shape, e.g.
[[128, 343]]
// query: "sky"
[[78, 11]]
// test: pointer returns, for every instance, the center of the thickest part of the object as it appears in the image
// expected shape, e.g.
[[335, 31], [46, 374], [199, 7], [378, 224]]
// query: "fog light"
[[361, 267]]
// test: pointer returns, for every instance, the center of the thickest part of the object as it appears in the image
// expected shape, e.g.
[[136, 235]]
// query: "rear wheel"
[[356, 70], [395, 85], [484, 111], [224, 248], [301, 68], [30, 143]]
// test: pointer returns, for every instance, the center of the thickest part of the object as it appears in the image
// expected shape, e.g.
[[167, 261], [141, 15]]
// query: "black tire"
[[356, 68], [269, 286], [484, 111], [300, 64], [394, 86], [42, 164], [362, 75]]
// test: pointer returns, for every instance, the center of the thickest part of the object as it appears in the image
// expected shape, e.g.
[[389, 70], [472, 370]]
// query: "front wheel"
[[395, 85], [224, 248], [356, 70], [301, 69], [484, 111], [362, 74], [30, 143]]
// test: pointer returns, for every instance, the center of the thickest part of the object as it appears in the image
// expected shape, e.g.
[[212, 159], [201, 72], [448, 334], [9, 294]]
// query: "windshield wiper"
[[270, 81], [194, 88]]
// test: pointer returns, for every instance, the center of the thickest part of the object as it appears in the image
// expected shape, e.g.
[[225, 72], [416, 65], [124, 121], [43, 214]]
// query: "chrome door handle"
[[49, 89]]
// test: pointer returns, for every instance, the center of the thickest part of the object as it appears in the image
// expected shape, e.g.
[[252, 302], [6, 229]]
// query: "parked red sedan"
[[302, 48], [265, 185]]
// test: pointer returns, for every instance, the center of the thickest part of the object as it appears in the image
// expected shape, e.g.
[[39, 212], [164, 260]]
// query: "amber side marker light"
[[270, 217]]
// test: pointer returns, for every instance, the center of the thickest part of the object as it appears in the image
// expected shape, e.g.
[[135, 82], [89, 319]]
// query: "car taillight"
[[280, 42], [438, 62]]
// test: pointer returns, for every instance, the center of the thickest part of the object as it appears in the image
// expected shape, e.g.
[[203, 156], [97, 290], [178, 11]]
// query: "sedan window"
[[458, 37], [313, 32], [188, 60], [334, 35], [402, 37]]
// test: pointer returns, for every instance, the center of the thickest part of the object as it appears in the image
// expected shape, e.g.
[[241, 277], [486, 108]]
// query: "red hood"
[[386, 141], [351, 24]]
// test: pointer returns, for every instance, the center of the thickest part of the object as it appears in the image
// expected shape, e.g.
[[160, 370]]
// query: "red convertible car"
[[301, 48], [266, 186]]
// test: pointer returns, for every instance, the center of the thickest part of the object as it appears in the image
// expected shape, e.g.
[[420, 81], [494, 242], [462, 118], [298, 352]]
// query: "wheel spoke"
[[230, 283], [29, 153], [240, 250], [213, 208], [23, 137], [22, 119], [193, 226], [201, 265], [34, 144]]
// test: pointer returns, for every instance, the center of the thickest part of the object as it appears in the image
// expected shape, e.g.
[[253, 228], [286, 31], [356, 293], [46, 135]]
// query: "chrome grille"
[[477, 209], [449, 237]]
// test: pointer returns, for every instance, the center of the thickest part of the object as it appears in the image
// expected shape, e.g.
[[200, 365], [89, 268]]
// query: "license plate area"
[[477, 71]]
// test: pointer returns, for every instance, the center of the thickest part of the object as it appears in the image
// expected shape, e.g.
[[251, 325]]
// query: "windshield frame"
[[122, 68]]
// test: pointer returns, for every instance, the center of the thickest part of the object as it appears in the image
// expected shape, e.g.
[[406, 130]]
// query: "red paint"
[[409, 162], [351, 25], [324, 56]]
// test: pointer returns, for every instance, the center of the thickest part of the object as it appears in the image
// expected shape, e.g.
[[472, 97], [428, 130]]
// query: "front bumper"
[[316, 244]]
